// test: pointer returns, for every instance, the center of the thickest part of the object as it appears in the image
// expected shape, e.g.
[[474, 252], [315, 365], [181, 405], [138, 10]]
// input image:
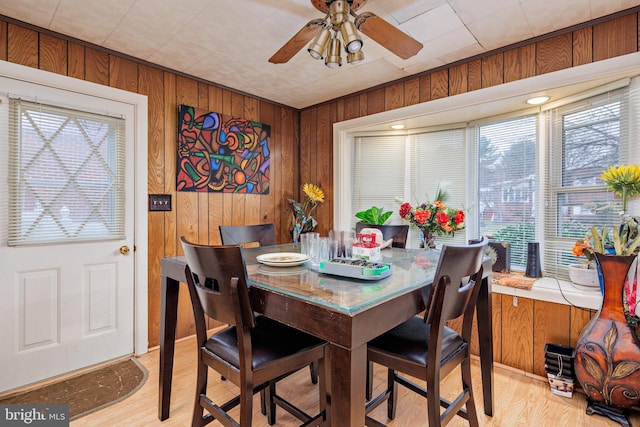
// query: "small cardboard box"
[[371, 253]]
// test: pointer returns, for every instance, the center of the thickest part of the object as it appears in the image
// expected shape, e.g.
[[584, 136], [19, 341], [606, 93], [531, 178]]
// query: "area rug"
[[89, 391]]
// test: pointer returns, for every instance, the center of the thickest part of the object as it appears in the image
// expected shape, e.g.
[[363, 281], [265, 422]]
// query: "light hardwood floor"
[[519, 400]]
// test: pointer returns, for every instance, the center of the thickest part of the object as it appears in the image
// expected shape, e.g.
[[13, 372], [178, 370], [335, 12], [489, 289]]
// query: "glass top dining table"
[[410, 269], [347, 313]]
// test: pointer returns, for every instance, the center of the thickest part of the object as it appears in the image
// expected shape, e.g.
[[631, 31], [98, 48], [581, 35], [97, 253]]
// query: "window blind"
[[585, 137], [66, 175], [378, 174], [438, 159], [507, 170]]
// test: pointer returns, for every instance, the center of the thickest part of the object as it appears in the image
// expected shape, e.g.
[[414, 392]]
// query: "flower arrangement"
[[624, 181], [434, 218], [302, 220]]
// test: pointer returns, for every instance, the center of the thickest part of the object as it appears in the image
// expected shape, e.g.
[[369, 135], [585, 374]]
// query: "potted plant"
[[374, 216]]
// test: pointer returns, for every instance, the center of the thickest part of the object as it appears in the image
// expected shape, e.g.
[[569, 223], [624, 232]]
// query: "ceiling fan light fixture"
[[354, 58], [352, 41], [333, 58], [339, 12], [319, 44]]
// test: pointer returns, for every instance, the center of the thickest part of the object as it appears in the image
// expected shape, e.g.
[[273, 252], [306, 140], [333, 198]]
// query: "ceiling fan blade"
[[387, 35], [302, 37]]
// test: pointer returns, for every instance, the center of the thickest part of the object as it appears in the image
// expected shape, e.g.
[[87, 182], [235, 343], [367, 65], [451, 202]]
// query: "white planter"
[[582, 276]]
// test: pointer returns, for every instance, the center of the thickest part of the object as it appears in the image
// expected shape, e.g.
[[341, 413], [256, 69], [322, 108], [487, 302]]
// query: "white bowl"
[[581, 275]]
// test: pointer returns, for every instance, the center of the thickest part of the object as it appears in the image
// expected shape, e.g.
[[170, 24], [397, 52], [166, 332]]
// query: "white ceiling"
[[229, 42]]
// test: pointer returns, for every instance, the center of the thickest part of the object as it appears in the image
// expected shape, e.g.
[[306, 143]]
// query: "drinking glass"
[[305, 242], [319, 251]]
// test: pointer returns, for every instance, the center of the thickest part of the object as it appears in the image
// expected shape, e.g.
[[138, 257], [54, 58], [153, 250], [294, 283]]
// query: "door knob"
[[124, 250]]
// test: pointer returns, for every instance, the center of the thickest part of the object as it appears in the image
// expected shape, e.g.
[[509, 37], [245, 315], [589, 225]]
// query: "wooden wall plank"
[[582, 46], [440, 84], [22, 46], [615, 37], [496, 318], [517, 332], [324, 175], [375, 101], [493, 70], [123, 73], [411, 91], [53, 54], [425, 87], [96, 66], [474, 75], [267, 205], [3, 40], [519, 63], [554, 54], [458, 79], [75, 60], [393, 96], [170, 136], [150, 84], [551, 325], [351, 107]]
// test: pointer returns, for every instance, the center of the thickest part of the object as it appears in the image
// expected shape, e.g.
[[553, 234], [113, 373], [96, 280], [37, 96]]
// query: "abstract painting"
[[220, 153]]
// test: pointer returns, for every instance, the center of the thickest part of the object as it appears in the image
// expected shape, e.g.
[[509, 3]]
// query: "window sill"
[[548, 289]]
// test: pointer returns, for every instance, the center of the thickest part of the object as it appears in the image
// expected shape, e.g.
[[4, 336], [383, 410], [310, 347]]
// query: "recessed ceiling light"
[[398, 126], [538, 100]]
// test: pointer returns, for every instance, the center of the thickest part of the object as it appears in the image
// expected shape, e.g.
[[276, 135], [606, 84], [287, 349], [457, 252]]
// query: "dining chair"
[[398, 233], [424, 347], [253, 352], [260, 234]]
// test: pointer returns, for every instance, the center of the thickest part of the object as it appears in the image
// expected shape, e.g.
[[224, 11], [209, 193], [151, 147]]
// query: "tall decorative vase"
[[607, 355]]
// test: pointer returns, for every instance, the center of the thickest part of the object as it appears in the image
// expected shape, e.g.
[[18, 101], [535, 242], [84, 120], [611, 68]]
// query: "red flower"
[[421, 215], [459, 217], [405, 209], [442, 218]]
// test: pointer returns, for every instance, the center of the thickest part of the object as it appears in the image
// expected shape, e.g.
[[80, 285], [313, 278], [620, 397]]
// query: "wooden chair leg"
[[392, 387], [433, 400], [201, 389], [369, 380], [313, 370], [472, 414], [270, 404]]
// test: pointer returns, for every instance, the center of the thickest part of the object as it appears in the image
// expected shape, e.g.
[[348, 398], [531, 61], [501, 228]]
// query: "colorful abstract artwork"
[[220, 153]]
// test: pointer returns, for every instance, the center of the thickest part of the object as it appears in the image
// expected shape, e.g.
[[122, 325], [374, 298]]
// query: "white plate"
[[283, 259], [278, 271]]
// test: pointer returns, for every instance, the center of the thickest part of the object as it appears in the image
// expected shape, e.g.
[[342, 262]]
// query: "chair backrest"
[[398, 233], [217, 276], [262, 234], [454, 291]]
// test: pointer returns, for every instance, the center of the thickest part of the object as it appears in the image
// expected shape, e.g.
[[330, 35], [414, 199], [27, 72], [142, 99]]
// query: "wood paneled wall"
[[298, 137]]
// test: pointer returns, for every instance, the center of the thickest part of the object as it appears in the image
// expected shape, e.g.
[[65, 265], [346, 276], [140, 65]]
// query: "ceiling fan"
[[327, 32]]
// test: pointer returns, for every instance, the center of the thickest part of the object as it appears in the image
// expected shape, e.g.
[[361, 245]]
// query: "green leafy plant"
[[374, 216]]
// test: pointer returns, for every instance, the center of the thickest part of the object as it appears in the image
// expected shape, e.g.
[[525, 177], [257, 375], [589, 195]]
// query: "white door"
[[68, 304]]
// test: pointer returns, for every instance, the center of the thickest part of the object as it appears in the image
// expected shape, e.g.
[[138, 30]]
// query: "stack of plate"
[[282, 259]]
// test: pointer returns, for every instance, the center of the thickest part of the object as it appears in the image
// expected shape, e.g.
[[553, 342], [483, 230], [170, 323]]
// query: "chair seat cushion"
[[410, 340], [270, 340]]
